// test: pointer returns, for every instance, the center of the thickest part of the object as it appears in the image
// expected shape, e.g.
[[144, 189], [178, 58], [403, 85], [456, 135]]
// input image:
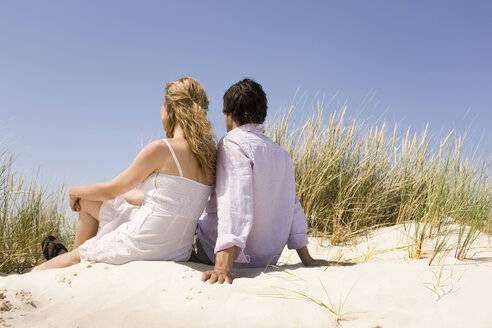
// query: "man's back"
[[254, 199]]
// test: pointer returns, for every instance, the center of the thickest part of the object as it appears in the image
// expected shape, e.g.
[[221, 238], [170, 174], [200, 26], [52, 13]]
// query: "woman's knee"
[[91, 207]]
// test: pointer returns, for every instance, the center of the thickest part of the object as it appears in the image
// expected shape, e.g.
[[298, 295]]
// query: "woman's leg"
[[86, 228], [61, 261], [88, 221]]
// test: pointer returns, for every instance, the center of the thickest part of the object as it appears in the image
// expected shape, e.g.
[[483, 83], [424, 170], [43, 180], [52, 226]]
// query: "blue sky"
[[81, 83]]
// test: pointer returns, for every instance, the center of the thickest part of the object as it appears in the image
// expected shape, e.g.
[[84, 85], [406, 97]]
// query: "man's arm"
[[298, 238], [223, 267], [307, 260], [234, 191]]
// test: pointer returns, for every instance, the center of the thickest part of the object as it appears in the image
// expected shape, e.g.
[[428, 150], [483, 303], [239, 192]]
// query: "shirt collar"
[[252, 127]]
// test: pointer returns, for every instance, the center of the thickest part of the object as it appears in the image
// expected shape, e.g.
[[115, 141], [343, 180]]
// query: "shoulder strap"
[[175, 158]]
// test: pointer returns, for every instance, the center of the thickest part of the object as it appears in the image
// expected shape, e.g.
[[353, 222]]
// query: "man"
[[254, 211]]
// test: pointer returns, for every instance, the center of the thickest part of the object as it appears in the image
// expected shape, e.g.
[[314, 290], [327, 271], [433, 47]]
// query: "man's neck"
[[234, 125], [230, 123]]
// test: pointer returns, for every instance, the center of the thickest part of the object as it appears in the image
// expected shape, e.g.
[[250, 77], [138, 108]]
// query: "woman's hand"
[[74, 202]]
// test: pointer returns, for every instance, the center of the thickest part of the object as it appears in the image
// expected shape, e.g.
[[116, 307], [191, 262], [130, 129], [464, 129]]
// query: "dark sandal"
[[56, 247]]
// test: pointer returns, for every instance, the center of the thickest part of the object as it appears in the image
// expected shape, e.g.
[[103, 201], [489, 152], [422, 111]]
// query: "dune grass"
[[28, 213], [351, 178]]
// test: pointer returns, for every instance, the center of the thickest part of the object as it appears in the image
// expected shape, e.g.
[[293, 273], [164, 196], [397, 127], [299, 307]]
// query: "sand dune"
[[386, 289]]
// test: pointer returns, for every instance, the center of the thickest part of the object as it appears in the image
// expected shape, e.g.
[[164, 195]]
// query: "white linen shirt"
[[254, 206]]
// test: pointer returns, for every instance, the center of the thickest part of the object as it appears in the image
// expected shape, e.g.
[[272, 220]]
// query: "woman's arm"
[[147, 161]]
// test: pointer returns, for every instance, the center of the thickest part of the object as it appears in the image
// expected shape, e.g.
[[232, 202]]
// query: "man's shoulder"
[[253, 145], [245, 139], [238, 137]]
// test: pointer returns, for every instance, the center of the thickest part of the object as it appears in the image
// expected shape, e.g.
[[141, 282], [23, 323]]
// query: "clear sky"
[[81, 82]]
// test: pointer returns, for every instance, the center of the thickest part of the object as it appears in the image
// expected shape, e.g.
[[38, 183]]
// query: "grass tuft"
[[28, 213], [352, 178]]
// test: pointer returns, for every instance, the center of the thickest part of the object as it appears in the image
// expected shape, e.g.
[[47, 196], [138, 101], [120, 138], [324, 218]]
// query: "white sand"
[[387, 289]]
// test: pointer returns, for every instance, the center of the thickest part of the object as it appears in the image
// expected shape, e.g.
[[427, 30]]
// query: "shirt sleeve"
[[234, 191], [298, 232]]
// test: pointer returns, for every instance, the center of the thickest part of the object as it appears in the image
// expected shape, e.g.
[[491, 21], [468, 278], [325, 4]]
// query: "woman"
[[175, 174]]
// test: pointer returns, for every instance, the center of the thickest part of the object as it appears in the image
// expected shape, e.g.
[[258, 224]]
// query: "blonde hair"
[[187, 106]]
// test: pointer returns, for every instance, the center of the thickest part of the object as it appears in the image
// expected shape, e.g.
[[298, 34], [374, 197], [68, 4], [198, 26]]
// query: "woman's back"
[[175, 194], [190, 166], [166, 222], [165, 225], [162, 228]]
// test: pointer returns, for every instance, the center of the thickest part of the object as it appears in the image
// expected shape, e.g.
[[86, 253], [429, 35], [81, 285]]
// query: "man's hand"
[[317, 262], [308, 261], [222, 271], [219, 276]]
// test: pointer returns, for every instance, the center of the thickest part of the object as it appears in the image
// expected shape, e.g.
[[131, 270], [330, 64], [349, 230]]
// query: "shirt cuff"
[[297, 241], [226, 241]]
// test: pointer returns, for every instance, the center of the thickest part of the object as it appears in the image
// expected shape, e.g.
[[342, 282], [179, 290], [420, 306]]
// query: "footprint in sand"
[[64, 280], [15, 304]]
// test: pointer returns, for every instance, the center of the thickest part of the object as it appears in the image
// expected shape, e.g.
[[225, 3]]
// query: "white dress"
[[162, 229]]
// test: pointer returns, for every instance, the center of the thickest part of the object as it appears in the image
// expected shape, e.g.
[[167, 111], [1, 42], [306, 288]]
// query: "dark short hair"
[[246, 102]]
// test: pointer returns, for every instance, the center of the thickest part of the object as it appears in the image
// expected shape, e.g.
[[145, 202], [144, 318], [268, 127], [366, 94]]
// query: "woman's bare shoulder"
[[180, 147], [157, 146], [178, 143]]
